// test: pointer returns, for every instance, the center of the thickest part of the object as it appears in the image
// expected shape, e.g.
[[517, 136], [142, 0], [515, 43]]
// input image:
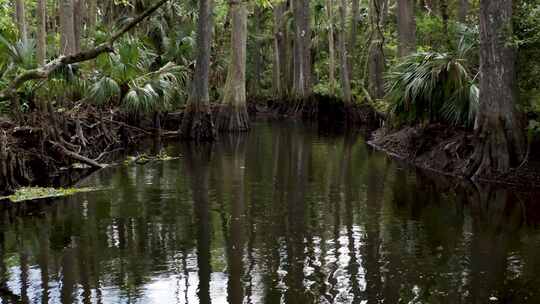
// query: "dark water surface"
[[282, 215]]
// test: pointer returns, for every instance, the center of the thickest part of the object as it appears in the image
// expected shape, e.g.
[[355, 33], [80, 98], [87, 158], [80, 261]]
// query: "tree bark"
[[406, 27], [463, 10], [302, 49], [355, 20], [257, 56], [20, 17], [500, 137], [67, 28], [279, 48], [331, 45], [41, 53], [344, 67], [78, 13], [197, 122], [233, 116], [445, 19], [376, 64], [92, 17]]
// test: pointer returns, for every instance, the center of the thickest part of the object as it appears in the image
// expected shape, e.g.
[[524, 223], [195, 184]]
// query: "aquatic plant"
[[33, 193]]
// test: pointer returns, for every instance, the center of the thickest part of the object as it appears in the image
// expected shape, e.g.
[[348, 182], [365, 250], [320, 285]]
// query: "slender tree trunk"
[[501, 142], [92, 17], [279, 42], [406, 27], [233, 115], [463, 10], [376, 64], [355, 20], [331, 45], [20, 18], [41, 32], [257, 56], [384, 8], [302, 49], [344, 67], [197, 123], [445, 19], [67, 29], [78, 13]]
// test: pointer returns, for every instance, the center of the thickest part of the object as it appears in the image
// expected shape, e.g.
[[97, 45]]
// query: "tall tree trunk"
[[355, 20], [463, 10], [501, 142], [78, 13], [279, 48], [233, 115], [331, 45], [406, 27], [376, 63], [344, 67], [67, 29], [92, 17], [197, 123], [257, 56], [20, 17], [41, 32], [445, 19], [302, 49]]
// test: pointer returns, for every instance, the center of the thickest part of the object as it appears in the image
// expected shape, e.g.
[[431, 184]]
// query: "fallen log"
[[76, 156]]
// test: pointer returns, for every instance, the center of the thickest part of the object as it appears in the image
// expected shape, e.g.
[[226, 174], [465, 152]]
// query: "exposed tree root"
[[494, 152], [40, 144], [197, 123], [232, 119]]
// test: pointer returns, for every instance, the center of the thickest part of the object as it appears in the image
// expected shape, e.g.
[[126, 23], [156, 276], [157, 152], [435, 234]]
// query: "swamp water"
[[279, 215]]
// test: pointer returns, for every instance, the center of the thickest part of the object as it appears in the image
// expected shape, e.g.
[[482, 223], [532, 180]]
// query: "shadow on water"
[[280, 215]]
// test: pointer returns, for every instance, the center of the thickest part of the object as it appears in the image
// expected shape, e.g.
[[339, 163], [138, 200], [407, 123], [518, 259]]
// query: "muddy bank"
[[447, 150]]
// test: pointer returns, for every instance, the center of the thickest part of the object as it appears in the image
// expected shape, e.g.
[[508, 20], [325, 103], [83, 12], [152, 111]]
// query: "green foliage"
[[431, 86], [7, 27], [527, 39], [128, 77]]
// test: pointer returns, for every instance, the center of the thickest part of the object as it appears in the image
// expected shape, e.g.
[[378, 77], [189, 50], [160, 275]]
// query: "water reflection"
[[281, 215]]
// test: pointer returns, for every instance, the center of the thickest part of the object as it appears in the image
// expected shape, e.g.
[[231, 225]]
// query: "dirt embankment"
[[447, 150]]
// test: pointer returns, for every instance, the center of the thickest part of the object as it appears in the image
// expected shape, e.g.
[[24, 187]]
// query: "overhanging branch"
[[44, 71]]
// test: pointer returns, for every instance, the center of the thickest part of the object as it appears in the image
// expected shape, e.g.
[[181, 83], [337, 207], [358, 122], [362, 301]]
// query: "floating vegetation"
[[144, 159], [32, 193]]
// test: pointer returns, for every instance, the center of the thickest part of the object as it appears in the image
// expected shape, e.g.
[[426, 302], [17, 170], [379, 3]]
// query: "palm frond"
[[432, 86], [104, 90]]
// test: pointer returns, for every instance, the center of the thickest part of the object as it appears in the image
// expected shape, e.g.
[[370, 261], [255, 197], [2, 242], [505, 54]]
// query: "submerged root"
[[232, 119], [496, 151]]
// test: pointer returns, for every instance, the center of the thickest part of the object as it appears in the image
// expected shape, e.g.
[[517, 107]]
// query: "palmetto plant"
[[130, 78], [431, 86]]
